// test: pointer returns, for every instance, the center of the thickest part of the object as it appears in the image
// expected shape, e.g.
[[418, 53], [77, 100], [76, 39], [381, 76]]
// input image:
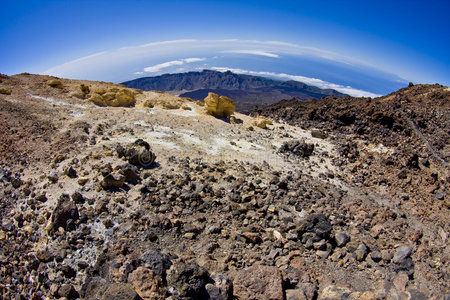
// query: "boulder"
[[155, 260], [261, 122], [221, 107], [188, 280], [402, 254], [220, 290], [258, 282], [114, 97], [64, 215], [333, 292], [68, 291], [131, 173], [341, 239], [299, 148], [113, 181], [55, 83], [4, 91], [137, 153], [317, 224], [147, 284], [120, 291]]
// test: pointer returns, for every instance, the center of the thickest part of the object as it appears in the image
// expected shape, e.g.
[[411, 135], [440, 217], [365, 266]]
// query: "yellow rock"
[[5, 91], [125, 97], [262, 122], [97, 99], [55, 83], [83, 180], [219, 106], [113, 97]]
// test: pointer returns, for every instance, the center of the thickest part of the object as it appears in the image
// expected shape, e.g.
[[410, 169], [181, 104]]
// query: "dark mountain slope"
[[246, 91]]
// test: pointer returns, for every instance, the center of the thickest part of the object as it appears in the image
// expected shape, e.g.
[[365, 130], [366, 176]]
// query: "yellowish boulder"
[[54, 83], [5, 91], [262, 122], [114, 97], [219, 106]]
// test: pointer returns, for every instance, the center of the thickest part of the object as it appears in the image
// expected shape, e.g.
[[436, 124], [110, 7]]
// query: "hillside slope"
[[246, 91], [159, 199]]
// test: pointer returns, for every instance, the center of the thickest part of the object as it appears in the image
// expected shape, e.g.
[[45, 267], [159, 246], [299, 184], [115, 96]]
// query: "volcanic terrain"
[[108, 192]]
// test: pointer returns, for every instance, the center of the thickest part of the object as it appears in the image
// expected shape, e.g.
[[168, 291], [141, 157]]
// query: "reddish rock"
[[258, 282], [147, 284]]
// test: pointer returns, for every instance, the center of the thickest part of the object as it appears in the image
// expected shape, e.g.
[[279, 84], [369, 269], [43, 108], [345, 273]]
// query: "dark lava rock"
[[406, 266], [70, 172], [120, 291], [138, 154], [220, 290], [299, 148], [258, 282], [16, 182], [376, 256], [113, 181], [68, 271], [413, 162], [68, 291], [65, 214], [315, 223], [188, 280], [77, 197], [131, 173], [156, 261], [318, 134]]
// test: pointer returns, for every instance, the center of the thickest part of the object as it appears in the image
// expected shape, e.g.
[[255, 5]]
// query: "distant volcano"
[[246, 91]]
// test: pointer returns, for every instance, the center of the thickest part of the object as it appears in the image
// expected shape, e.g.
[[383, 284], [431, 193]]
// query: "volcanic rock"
[[188, 280], [64, 215], [221, 107], [402, 254], [113, 181], [258, 282], [155, 260], [299, 148], [147, 284]]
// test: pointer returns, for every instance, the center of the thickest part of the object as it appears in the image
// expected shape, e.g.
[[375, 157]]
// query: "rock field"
[[114, 193]]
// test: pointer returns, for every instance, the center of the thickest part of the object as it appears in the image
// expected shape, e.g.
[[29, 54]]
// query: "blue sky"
[[408, 39]]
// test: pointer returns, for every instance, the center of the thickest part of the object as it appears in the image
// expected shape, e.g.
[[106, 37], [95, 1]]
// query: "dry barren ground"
[[227, 210]]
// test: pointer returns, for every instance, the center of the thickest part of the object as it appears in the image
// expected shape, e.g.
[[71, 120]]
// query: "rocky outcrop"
[[113, 97], [219, 106]]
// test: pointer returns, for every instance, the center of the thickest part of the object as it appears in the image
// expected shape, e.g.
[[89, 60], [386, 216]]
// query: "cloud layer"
[[168, 64], [169, 56], [310, 81], [253, 52]]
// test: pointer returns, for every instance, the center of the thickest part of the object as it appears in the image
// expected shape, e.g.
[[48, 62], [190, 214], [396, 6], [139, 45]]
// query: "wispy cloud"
[[310, 81], [120, 64], [159, 67], [253, 52]]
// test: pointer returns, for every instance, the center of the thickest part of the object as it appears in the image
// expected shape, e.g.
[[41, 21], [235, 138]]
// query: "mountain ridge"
[[247, 91]]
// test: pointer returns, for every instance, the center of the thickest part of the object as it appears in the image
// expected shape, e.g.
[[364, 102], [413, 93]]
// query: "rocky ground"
[[159, 200]]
